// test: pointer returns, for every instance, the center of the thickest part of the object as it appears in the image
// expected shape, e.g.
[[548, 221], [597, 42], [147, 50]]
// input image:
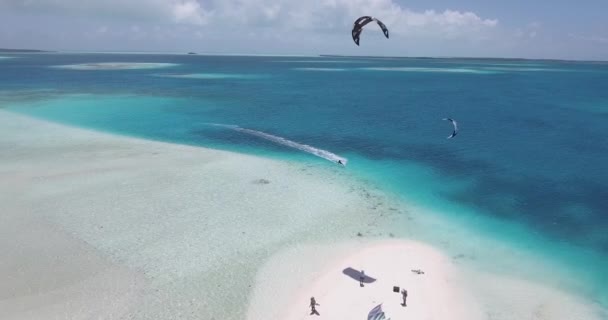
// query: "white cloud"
[[301, 15], [339, 14], [598, 39], [159, 11], [448, 23], [530, 31], [286, 26], [189, 12], [590, 38]]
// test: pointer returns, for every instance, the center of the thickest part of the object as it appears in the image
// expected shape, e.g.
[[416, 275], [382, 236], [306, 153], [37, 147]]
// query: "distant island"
[[455, 58], [20, 50], [191, 52], [419, 58]]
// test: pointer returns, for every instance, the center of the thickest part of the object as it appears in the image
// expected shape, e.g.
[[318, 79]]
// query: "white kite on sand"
[[376, 313]]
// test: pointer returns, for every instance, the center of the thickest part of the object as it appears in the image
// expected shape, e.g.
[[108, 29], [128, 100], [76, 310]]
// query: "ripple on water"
[[211, 76]]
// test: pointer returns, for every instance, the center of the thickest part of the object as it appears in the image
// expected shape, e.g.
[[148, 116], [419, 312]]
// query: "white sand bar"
[[102, 226], [439, 293], [445, 291], [116, 66]]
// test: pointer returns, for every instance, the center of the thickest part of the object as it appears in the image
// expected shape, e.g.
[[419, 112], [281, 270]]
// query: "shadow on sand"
[[356, 275]]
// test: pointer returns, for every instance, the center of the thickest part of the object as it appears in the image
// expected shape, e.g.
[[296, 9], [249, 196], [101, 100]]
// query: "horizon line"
[[320, 55]]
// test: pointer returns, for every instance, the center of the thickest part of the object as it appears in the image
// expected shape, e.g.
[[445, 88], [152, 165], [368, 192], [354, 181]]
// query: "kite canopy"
[[361, 22], [455, 132], [376, 313]]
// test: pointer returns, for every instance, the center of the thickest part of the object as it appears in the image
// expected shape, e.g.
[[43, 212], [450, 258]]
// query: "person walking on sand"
[[313, 306], [404, 295]]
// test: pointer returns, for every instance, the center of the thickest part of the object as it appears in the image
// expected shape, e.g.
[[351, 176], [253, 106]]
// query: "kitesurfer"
[[361, 278]]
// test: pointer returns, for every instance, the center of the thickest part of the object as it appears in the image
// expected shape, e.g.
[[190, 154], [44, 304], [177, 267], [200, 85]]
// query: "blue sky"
[[530, 29]]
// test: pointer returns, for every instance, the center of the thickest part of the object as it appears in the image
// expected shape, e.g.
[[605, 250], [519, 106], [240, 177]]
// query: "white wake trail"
[[288, 143]]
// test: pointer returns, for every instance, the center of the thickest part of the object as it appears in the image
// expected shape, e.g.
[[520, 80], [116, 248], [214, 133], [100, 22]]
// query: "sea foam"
[[115, 66], [327, 155], [431, 70], [319, 69], [212, 76]]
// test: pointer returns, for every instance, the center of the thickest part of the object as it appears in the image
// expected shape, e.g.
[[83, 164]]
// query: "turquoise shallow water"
[[529, 165]]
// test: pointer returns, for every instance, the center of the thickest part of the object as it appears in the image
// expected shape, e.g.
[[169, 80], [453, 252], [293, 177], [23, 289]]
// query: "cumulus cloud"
[[339, 14], [159, 11], [301, 15], [189, 12], [447, 23], [287, 26]]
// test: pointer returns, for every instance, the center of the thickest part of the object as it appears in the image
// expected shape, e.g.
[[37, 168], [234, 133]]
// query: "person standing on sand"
[[361, 278], [313, 304], [404, 295]]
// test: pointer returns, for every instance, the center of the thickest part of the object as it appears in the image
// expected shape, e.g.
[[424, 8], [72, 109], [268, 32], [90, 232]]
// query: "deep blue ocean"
[[532, 148]]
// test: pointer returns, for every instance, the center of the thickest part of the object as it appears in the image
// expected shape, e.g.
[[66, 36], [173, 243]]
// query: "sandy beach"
[[386, 264], [95, 225], [444, 291], [118, 227]]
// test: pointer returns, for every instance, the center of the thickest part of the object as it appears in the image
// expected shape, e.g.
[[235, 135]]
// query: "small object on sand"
[[261, 181], [359, 234], [418, 271], [395, 289]]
